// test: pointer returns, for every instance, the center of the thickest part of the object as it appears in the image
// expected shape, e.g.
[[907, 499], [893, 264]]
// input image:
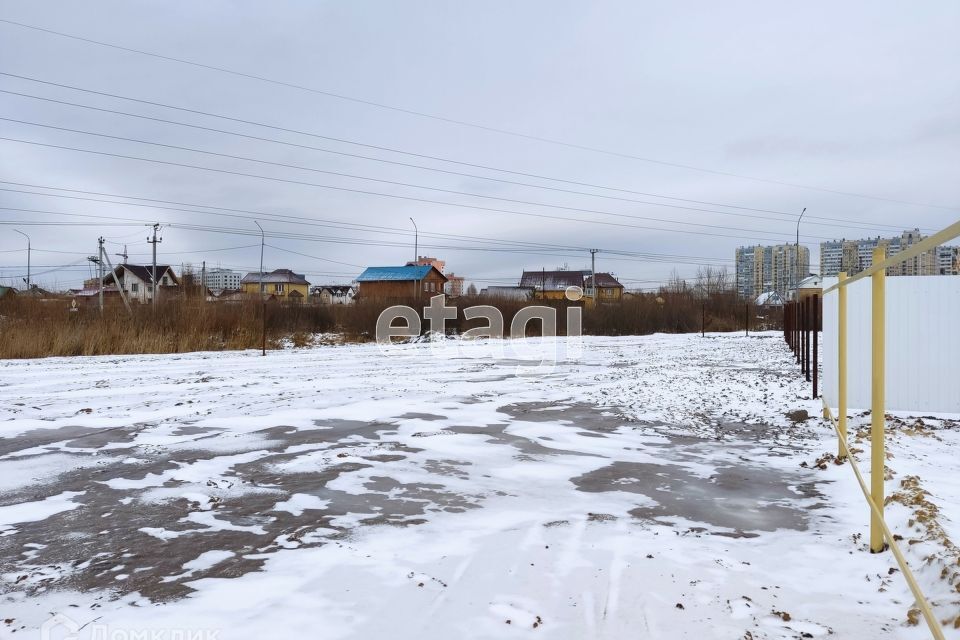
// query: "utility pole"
[[153, 274], [796, 258], [123, 255], [263, 301], [28, 258], [100, 266], [593, 276], [203, 281], [123, 295]]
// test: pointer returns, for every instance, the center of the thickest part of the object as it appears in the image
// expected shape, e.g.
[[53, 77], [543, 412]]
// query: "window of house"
[[263, 288], [166, 280], [279, 287], [134, 287]]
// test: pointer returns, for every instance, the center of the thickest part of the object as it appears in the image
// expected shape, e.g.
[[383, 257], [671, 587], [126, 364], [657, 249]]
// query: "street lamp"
[[416, 255], [416, 238], [28, 258], [796, 258], [263, 301]]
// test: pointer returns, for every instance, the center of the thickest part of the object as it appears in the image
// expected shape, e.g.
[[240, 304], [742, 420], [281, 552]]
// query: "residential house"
[[609, 288], [769, 299], [279, 284], [7, 292], [91, 295], [810, 286], [409, 281], [508, 293], [426, 261], [137, 281], [454, 285], [228, 295], [333, 294], [551, 285]]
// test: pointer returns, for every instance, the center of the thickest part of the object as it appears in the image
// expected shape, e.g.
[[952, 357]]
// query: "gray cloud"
[[860, 97]]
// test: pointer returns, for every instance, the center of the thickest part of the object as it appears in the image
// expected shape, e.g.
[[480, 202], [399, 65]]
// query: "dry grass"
[[40, 328]]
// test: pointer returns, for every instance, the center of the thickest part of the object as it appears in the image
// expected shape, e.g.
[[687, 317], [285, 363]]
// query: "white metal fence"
[[922, 344]]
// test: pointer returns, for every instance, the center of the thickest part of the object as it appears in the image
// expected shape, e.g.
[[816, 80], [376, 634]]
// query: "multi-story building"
[[948, 261], [454, 285], [853, 256], [427, 261], [218, 280], [773, 268]]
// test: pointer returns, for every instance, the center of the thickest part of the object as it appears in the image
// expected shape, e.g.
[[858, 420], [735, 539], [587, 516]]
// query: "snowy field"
[[648, 487]]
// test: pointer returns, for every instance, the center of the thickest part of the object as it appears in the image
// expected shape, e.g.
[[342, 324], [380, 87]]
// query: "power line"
[[473, 125], [404, 184], [342, 240], [414, 199], [348, 264], [291, 219], [791, 215]]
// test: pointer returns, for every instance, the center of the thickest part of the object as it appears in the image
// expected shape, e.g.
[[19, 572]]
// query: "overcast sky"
[[854, 97]]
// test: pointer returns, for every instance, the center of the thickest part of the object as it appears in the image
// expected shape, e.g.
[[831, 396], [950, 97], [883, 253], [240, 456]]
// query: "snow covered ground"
[[640, 487]]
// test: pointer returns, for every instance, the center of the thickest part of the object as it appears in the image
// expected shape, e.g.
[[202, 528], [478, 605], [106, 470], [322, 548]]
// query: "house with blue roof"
[[409, 281]]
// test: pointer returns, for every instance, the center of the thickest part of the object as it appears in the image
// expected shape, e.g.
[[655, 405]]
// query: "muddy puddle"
[[135, 525], [739, 499], [127, 539]]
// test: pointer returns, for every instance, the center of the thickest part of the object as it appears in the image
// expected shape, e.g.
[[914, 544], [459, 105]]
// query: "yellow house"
[[608, 290], [282, 284], [551, 285]]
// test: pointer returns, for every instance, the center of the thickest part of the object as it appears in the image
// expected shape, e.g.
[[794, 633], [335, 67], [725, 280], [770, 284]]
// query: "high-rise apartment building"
[[853, 256], [948, 261], [773, 268]]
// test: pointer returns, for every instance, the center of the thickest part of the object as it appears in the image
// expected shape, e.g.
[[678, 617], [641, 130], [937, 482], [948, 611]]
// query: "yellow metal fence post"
[[842, 363], [877, 366]]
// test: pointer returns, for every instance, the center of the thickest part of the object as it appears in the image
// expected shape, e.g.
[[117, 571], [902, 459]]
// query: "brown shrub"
[[37, 328]]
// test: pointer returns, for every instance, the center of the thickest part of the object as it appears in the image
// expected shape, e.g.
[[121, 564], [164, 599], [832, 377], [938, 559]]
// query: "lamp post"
[[416, 254], [263, 301], [796, 259], [28, 258], [416, 239]]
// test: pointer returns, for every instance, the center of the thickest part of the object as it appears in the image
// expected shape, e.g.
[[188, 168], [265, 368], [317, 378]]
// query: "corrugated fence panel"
[[922, 344]]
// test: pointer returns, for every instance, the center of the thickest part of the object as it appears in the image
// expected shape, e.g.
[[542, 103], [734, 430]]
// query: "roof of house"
[[512, 293], [552, 280], [397, 274], [110, 290], [335, 289], [603, 280], [144, 272], [285, 276], [769, 299]]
